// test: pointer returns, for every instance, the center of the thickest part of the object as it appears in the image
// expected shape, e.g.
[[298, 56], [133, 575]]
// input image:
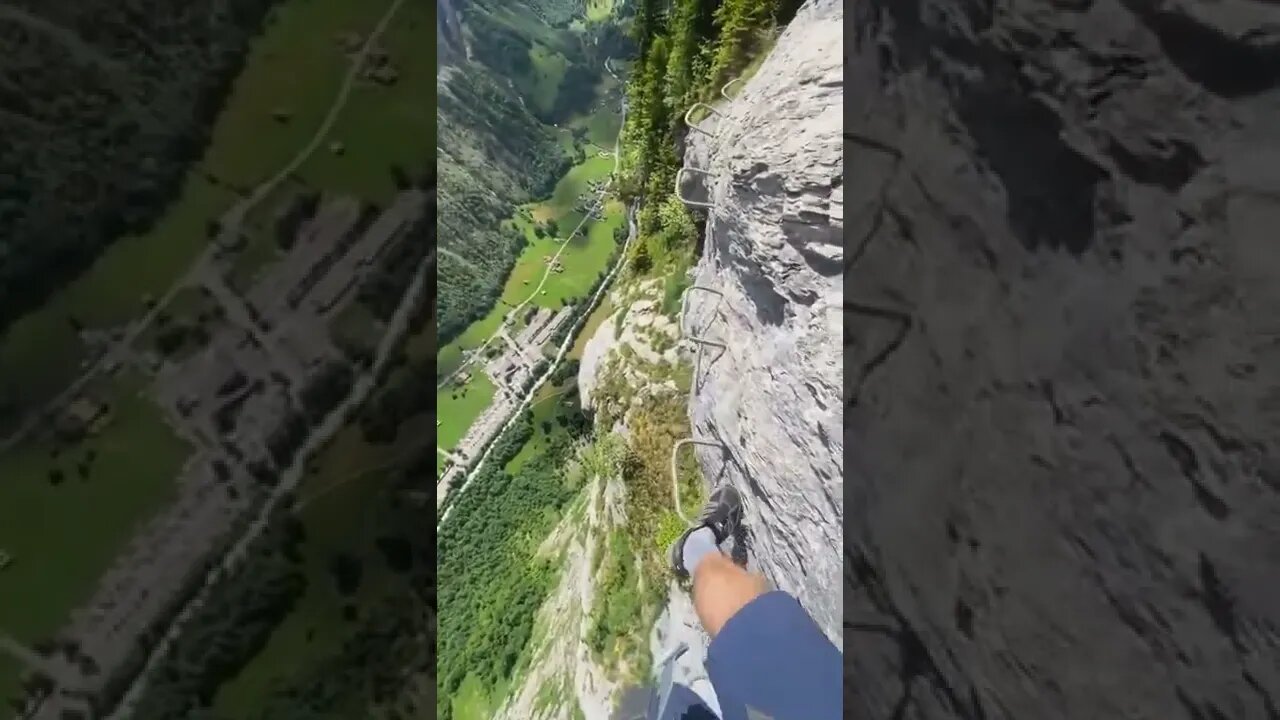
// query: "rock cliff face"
[[773, 247], [636, 346], [1063, 350], [450, 45]]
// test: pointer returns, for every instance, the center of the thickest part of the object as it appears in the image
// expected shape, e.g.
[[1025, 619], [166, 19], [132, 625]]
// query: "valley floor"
[[122, 441], [571, 239]]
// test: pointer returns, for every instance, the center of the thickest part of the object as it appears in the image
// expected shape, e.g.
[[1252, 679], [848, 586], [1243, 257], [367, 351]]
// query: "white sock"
[[696, 547]]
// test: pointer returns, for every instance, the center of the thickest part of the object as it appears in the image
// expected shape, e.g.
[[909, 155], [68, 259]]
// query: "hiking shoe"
[[722, 515]]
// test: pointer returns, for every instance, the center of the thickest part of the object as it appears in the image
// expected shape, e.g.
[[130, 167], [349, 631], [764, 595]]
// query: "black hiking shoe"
[[722, 513]]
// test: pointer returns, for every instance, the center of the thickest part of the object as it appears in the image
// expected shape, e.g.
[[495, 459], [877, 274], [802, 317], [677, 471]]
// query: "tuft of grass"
[[669, 528], [673, 287]]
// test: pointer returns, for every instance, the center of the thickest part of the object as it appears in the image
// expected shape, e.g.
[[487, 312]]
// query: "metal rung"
[[689, 121], [695, 203], [684, 309], [724, 90], [675, 476], [705, 341], [702, 342]]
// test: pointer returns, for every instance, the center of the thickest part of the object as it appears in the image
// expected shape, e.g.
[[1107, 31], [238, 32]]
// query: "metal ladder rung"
[[675, 475], [694, 126], [684, 310], [680, 175], [702, 342], [724, 89], [705, 341]]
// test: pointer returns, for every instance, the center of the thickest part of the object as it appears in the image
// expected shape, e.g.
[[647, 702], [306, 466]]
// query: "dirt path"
[[229, 228]]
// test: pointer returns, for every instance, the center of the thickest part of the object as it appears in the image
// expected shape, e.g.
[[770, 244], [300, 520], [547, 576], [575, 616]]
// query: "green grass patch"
[[618, 616], [544, 409], [673, 287], [603, 126], [547, 68], [583, 259], [384, 127], [669, 528], [451, 356], [66, 511], [448, 359], [599, 10], [459, 406], [521, 19], [297, 66], [11, 672], [567, 142], [474, 701], [574, 185]]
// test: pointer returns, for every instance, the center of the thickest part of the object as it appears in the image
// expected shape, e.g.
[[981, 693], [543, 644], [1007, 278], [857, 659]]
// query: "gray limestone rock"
[[594, 353], [1063, 360], [774, 252]]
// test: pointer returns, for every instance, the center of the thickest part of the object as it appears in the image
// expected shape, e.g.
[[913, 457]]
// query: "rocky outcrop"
[[773, 253], [1062, 360], [594, 353], [631, 356]]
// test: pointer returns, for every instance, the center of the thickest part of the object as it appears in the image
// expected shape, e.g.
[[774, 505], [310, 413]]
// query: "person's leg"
[[720, 587], [767, 656]]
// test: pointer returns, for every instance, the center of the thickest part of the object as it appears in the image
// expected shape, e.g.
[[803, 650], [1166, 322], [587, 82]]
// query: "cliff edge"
[[773, 247], [766, 296]]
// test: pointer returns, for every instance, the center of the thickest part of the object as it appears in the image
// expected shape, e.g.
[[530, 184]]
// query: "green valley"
[[550, 550]]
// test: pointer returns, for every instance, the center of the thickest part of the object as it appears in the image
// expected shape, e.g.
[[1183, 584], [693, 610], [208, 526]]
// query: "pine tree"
[[691, 31], [739, 23]]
